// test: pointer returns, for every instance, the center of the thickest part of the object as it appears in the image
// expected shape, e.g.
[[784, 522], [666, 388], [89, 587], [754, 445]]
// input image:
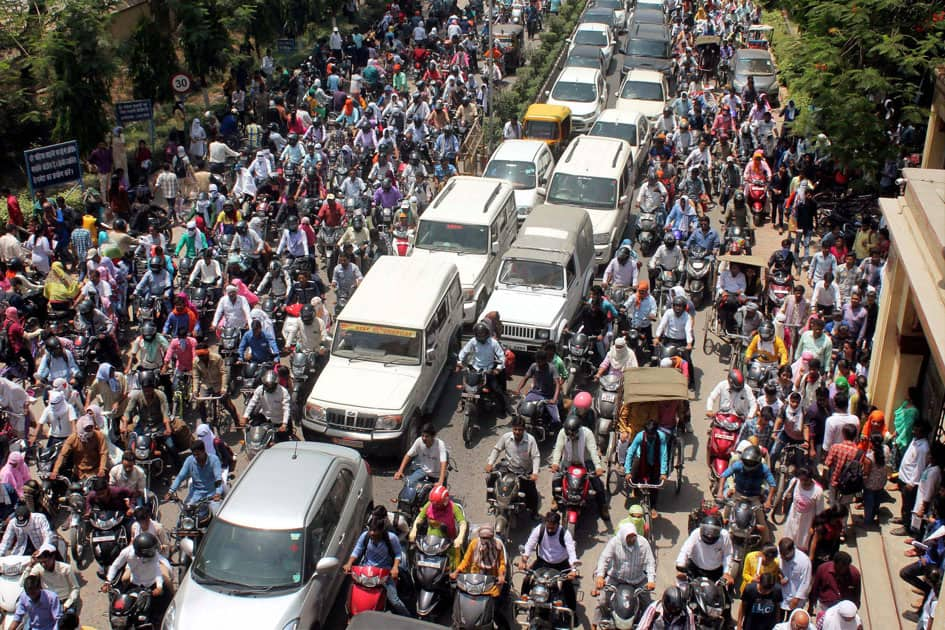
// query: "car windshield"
[[574, 92], [382, 344], [590, 38], [541, 129], [581, 61], [453, 237], [642, 91], [521, 174], [532, 273], [621, 131], [616, 5], [755, 66], [243, 558], [580, 190], [648, 48]]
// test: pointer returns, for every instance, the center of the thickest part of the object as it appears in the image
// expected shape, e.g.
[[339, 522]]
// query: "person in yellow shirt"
[[766, 346], [757, 563], [485, 556]]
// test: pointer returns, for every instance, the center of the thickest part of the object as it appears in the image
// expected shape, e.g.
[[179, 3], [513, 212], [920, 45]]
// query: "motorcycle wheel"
[[77, 541], [501, 525], [778, 513]]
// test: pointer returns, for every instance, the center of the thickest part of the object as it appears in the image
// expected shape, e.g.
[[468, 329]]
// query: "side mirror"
[[327, 565], [431, 354], [187, 547], [495, 248], [541, 191], [625, 199]]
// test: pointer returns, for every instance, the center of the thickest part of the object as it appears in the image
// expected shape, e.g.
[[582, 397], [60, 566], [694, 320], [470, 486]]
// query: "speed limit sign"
[[181, 83]]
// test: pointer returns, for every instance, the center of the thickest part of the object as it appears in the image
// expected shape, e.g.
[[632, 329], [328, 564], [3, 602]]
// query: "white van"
[[390, 346], [595, 174], [470, 224], [527, 166], [544, 277]]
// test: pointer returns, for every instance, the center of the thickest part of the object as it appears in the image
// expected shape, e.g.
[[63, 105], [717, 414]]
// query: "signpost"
[[181, 83], [135, 111], [285, 45], [54, 165]]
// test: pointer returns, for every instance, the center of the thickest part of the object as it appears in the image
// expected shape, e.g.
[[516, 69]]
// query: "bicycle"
[[790, 458], [182, 400], [645, 490], [212, 413]]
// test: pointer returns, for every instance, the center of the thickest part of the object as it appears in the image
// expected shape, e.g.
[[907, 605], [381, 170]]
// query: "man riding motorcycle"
[[488, 355], [667, 256], [623, 269], [707, 552], [766, 347], [270, 403], [626, 559], [577, 446], [750, 472]]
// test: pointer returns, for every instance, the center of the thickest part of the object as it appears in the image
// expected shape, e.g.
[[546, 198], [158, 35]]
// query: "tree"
[[151, 61], [204, 38], [79, 62]]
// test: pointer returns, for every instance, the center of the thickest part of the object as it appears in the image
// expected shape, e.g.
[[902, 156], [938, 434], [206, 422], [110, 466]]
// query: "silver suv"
[[272, 555]]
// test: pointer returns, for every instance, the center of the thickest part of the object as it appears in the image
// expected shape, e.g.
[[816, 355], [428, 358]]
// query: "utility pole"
[[491, 49]]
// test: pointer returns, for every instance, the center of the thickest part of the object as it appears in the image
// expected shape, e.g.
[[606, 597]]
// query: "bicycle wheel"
[[678, 457], [778, 511]]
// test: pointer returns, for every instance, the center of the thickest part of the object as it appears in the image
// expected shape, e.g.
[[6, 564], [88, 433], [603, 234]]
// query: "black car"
[[647, 16], [603, 15], [586, 57], [649, 48]]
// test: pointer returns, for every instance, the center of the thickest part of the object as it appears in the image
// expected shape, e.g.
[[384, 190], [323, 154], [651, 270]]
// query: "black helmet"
[[736, 380], [751, 457], [572, 426], [766, 331], [357, 222], [292, 223], [414, 158], [22, 512], [241, 227], [307, 314], [710, 529], [86, 307], [53, 343], [120, 225], [669, 240], [146, 545], [156, 263], [148, 379], [481, 332], [270, 381], [148, 330], [673, 602], [268, 305], [623, 253]]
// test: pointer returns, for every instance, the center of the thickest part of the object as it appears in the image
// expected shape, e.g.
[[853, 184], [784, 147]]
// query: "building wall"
[[933, 156], [125, 19]]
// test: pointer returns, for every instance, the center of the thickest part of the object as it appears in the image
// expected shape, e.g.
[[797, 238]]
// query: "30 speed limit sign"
[[181, 83]]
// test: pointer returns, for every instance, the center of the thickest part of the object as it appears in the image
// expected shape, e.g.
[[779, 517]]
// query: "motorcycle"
[[328, 245], [743, 529], [108, 533], [368, 590], [649, 229], [475, 400], [132, 608], [666, 278], [757, 200], [536, 417], [85, 353], [639, 346], [150, 454], [780, 285], [431, 572], [303, 366], [623, 606], [192, 522], [758, 373], [402, 238], [708, 601], [52, 489], [698, 270], [581, 367], [543, 605], [723, 435], [575, 492], [412, 497], [505, 498], [74, 502], [605, 405]]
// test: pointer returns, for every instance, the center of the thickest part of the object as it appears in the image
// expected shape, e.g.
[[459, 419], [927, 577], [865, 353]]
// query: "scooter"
[[473, 607], [401, 238], [698, 268], [757, 200], [431, 572], [605, 405], [709, 602], [666, 278], [649, 229], [723, 435], [368, 590], [107, 534], [412, 497], [133, 607], [52, 489], [780, 285], [303, 366], [623, 606]]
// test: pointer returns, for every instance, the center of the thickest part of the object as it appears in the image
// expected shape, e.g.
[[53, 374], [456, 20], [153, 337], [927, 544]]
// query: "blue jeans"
[[417, 474], [393, 600], [871, 505]]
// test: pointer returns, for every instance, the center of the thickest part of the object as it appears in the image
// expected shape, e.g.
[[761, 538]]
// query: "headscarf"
[[98, 417], [205, 434], [620, 356], [443, 514], [15, 472], [57, 401], [196, 131], [82, 429], [643, 285], [625, 530], [875, 423], [243, 290], [486, 554], [60, 286], [104, 374], [348, 107], [841, 616]]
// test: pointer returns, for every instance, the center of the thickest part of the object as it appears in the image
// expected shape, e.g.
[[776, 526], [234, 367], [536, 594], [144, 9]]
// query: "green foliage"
[[78, 58], [849, 57], [204, 37], [151, 60]]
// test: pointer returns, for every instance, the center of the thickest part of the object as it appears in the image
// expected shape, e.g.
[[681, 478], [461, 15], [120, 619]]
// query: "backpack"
[[541, 535], [850, 480], [180, 167]]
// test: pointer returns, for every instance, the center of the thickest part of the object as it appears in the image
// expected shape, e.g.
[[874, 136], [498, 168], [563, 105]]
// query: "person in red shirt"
[[331, 212], [835, 581], [14, 212]]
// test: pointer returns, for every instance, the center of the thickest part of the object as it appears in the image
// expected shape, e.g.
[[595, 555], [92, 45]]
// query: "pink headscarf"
[[243, 290], [15, 472]]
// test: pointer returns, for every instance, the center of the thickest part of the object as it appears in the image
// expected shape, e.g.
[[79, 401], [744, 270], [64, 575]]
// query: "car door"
[[546, 165], [328, 535], [602, 90], [644, 137]]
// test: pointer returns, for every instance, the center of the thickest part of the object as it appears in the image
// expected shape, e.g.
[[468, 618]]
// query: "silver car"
[[272, 555]]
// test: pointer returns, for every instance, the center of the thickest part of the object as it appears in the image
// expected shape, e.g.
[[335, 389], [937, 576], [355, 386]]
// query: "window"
[[439, 318], [321, 530], [643, 91], [570, 272], [340, 490], [455, 293]]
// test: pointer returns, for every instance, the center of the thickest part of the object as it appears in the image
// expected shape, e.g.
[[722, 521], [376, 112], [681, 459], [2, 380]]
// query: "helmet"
[[148, 379], [241, 227], [270, 380], [623, 252], [667, 111], [120, 225], [156, 263], [481, 332], [145, 545], [673, 601], [766, 331], [679, 301], [86, 307], [582, 401], [275, 267], [148, 330], [439, 495], [292, 223], [669, 241], [414, 158], [22, 512], [710, 529], [308, 313], [751, 457], [357, 222], [268, 305], [572, 426], [736, 380]]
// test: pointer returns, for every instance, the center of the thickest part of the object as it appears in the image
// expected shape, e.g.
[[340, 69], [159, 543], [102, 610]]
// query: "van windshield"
[[531, 273], [590, 38], [383, 344], [521, 174], [580, 190], [453, 237], [541, 130]]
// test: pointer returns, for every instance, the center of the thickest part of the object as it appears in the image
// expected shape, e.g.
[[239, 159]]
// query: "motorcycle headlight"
[[542, 334], [540, 593], [601, 239], [188, 522], [143, 453], [315, 413], [389, 423]]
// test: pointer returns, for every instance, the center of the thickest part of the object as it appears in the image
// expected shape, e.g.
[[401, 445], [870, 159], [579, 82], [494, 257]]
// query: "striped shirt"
[[168, 185], [81, 242]]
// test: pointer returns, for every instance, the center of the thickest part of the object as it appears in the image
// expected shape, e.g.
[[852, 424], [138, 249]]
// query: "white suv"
[[584, 92]]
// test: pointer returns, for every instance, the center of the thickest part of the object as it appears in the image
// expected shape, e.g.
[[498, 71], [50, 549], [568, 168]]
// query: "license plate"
[[608, 397], [520, 347], [348, 443], [97, 539], [426, 564]]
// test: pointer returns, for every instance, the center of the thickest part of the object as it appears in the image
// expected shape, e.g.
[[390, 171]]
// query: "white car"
[[644, 91], [526, 165], [584, 92], [597, 35], [629, 126]]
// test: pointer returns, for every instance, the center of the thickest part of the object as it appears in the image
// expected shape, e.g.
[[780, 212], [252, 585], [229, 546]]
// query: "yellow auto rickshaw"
[[550, 123]]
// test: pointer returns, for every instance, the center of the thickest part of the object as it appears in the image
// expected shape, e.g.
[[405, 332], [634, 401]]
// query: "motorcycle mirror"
[[187, 547]]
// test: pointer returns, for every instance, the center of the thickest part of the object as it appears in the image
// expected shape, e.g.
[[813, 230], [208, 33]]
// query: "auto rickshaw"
[[759, 36], [550, 123], [511, 38]]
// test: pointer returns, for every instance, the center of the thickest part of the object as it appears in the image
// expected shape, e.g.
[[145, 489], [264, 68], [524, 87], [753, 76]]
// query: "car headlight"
[[389, 423], [169, 622], [292, 625], [602, 239], [469, 294], [522, 210], [314, 412], [542, 334]]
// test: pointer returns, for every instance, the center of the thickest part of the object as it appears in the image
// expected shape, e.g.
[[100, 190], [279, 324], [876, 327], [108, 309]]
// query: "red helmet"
[[735, 379], [582, 401], [440, 495]]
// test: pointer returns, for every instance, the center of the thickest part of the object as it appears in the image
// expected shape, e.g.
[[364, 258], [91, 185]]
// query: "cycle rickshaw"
[[715, 336]]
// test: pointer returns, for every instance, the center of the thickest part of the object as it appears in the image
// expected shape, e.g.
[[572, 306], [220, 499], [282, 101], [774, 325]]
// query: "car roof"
[[599, 146], [578, 75], [584, 50], [594, 26], [386, 284], [650, 13], [622, 6], [620, 116], [545, 227], [643, 30], [278, 489], [753, 53], [518, 150], [645, 76], [467, 199]]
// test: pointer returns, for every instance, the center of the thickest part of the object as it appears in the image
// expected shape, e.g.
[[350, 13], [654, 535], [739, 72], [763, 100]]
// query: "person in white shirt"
[[58, 577], [554, 546], [731, 396], [913, 464], [207, 271], [797, 572], [707, 552], [729, 289], [219, 152], [140, 565], [233, 310], [59, 416], [826, 297], [126, 474], [430, 458], [512, 130], [833, 426], [626, 559], [929, 483]]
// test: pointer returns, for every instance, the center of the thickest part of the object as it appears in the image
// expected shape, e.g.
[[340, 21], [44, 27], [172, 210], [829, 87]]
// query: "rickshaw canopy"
[[744, 259], [708, 40], [649, 384]]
